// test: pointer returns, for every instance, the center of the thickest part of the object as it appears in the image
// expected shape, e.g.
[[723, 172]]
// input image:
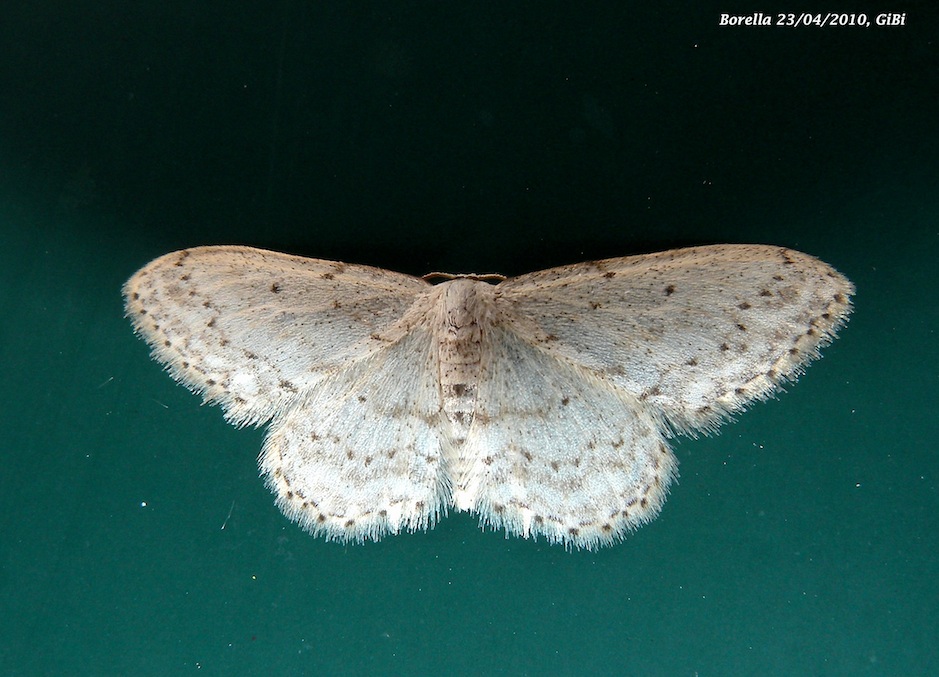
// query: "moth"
[[542, 403]]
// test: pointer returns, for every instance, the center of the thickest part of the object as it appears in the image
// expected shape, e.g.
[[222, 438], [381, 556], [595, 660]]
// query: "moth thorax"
[[465, 313]]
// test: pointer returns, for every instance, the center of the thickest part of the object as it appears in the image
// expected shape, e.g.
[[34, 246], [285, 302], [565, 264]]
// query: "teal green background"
[[466, 137]]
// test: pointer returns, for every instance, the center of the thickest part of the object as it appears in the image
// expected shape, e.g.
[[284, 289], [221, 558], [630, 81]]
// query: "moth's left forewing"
[[693, 333], [254, 330]]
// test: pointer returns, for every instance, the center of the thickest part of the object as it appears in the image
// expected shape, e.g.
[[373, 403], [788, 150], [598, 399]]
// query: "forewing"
[[253, 330], [361, 455], [555, 451], [694, 333]]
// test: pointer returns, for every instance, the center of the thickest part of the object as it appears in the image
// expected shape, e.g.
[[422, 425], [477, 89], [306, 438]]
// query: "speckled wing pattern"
[[618, 355], [255, 330], [693, 333], [542, 403]]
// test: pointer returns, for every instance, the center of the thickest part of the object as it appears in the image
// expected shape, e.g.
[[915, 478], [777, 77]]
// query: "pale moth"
[[543, 403]]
